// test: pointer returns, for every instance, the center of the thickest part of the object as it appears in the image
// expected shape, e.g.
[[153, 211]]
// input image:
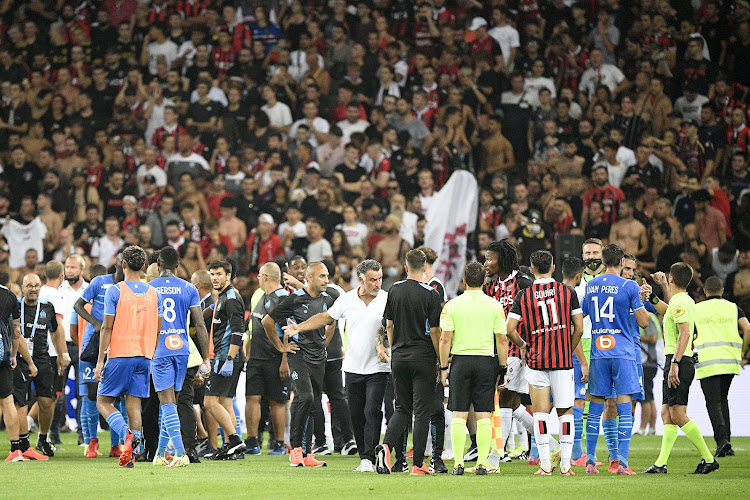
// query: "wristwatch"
[[443, 368], [675, 361], [230, 358]]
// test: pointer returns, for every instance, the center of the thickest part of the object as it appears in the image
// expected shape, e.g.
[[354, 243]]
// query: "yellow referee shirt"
[[474, 318]]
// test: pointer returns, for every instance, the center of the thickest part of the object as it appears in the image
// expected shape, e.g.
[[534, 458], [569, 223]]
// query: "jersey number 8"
[[169, 313]]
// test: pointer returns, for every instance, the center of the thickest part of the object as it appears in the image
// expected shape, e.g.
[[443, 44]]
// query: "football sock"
[[117, 423], [542, 439], [84, 419], [237, 417], [458, 440], [42, 437], [578, 423], [93, 414], [522, 415], [669, 436], [120, 405], [510, 444], [171, 423], [592, 430], [610, 437], [15, 444], [473, 438], [23, 440], [534, 452], [693, 433], [506, 423], [163, 436], [139, 434], [484, 439], [566, 441], [624, 429], [523, 435]]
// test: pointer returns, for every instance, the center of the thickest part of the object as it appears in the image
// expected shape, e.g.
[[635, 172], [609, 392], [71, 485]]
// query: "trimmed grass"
[[70, 475]]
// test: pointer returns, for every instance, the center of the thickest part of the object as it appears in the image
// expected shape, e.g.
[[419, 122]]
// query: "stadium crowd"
[[295, 132]]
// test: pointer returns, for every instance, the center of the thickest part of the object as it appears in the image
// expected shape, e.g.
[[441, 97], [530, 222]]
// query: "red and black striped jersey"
[[545, 312], [504, 291]]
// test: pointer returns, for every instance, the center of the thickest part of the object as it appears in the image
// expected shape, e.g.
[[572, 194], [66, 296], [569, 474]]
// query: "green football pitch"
[[70, 475]]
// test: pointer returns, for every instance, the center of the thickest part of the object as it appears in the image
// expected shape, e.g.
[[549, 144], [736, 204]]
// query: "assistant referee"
[[474, 323]]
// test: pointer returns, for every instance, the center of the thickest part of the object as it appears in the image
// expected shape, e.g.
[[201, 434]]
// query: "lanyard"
[[36, 318]]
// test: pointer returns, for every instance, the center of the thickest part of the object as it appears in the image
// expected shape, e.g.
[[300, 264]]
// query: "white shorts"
[[517, 376], [560, 383]]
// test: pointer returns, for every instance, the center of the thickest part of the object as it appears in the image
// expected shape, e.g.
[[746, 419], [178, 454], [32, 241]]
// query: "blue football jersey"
[[95, 294], [178, 296], [609, 303]]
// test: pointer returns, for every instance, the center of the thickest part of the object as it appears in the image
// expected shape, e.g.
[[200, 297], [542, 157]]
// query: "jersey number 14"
[[606, 311]]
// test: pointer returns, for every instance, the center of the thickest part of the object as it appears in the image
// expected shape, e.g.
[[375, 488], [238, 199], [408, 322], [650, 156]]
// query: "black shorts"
[[263, 380], [43, 382], [649, 374], [198, 394], [678, 395], [473, 380], [224, 387], [6, 380], [58, 383]]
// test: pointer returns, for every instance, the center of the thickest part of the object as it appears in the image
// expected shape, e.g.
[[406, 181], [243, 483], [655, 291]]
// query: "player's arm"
[[104, 340], [389, 332], [330, 330], [15, 338], [269, 325], [578, 351], [745, 327], [514, 319], [382, 346], [318, 321], [236, 314], [74, 327], [80, 309], [58, 339], [577, 330], [200, 331]]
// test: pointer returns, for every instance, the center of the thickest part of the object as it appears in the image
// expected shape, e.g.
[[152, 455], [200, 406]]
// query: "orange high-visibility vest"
[[136, 322]]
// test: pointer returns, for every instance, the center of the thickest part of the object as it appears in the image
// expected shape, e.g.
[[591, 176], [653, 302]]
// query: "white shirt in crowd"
[[355, 234], [168, 49], [507, 37], [105, 249], [319, 124], [348, 128], [23, 237], [279, 115]]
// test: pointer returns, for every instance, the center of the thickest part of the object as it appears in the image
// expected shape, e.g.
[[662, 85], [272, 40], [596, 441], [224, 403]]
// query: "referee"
[[412, 314], [720, 349], [679, 367], [475, 324]]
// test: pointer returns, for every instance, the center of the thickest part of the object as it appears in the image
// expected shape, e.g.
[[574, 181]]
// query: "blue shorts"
[[86, 370], [637, 396], [169, 371], [580, 387], [606, 374], [126, 376]]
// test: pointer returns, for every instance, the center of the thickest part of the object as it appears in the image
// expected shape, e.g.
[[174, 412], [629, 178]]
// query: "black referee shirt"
[[414, 308]]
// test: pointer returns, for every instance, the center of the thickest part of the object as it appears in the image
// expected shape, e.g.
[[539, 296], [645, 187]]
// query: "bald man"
[[202, 281], [267, 368], [39, 325]]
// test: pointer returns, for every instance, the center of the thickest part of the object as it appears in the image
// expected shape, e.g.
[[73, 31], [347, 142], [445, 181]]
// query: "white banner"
[[451, 217]]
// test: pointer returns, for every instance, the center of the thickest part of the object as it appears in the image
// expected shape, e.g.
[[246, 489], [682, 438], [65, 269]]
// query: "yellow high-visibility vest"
[[717, 341]]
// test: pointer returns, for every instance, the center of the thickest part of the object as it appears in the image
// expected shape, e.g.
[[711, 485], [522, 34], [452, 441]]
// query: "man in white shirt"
[[352, 123], [104, 250], [506, 36], [150, 168], [53, 272], [279, 114], [366, 365], [602, 74], [157, 45], [318, 126], [70, 291], [615, 168], [690, 103], [23, 233]]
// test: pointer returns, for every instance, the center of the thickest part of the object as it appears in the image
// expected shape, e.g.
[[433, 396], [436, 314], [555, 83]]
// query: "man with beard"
[[593, 267], [504, 281], [70, 291], [602, 191]]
